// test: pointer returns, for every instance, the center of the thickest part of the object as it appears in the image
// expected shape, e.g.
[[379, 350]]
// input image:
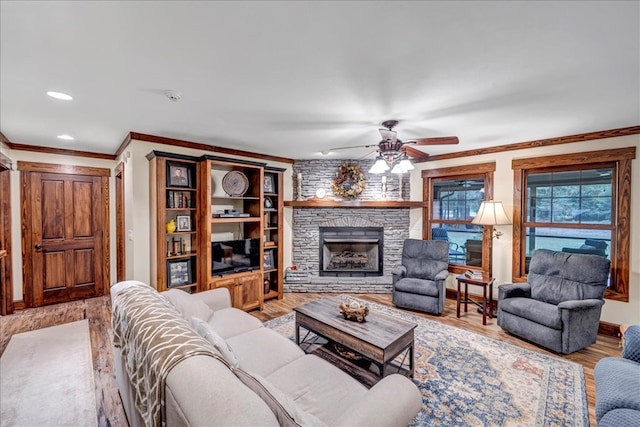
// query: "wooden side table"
[[487, 304]]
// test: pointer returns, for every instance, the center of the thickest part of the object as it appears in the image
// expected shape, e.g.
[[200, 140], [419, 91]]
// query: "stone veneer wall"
[[319, 174], [307, 222]]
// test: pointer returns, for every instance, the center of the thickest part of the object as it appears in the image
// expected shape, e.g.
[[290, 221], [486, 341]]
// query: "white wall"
[[613, 311], [16, 237]]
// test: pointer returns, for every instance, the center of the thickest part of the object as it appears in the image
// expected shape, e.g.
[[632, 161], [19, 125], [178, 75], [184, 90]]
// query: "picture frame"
[[178, 272], [183, 223], [269, 183], [178, 175], [267, 262], [268, 203]]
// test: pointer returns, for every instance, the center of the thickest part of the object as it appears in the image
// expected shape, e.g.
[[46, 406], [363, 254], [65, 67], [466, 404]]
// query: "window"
[[575, 203], [453, 197]]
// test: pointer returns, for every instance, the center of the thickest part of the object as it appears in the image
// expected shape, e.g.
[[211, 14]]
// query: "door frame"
[[26, 168], [6, 292], [121, 247]]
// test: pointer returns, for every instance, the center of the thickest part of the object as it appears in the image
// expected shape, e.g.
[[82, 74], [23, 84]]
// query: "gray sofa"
[[618, 384], [233, 370], [559, 308], [418, 284]]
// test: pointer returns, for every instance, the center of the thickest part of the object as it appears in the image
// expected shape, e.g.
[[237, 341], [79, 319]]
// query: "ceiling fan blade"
[[442, 140], [416, 154], [388, 134], [368, 154], [353, 146]]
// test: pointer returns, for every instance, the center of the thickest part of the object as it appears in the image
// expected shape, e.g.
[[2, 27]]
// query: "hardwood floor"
[[98, 311]]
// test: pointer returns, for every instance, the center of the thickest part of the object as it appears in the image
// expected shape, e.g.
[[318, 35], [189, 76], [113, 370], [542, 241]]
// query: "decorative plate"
[[235, 183]]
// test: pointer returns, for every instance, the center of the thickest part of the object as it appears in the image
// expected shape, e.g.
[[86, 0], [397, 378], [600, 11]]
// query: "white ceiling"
[[292, 79]]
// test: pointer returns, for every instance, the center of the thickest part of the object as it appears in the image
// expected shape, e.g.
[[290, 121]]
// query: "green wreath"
[[349, 181]]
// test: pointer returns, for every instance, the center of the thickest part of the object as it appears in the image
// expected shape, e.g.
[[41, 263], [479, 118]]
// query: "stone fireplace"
[[307, 222], [391, 222], [351, 251]]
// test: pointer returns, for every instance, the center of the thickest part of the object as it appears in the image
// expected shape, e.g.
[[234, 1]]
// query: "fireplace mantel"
[[317, 203]]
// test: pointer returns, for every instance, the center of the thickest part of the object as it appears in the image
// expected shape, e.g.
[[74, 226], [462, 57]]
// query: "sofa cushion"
[[229, 322], [620, 418], [203, 391], [631, 348], [318, 387], [206, 331], [534, 310], [288, 412], [417, 286], [188, 305], [274, 352], [617, 385]]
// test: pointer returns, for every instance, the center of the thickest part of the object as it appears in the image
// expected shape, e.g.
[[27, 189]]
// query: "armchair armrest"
[[514, 290], [580, 320], [216, 299], [394, 401], [442, 275], [399, 271], [631, 349], [576, 305]]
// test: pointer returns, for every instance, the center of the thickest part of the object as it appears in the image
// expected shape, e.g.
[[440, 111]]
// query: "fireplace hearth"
[[351, 251]]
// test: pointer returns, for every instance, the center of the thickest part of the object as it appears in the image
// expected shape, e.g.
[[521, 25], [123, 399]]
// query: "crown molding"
[[581, 137]]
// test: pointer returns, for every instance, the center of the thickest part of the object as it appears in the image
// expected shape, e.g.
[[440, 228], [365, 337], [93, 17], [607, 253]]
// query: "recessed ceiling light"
[[66, 137], [60, 95]]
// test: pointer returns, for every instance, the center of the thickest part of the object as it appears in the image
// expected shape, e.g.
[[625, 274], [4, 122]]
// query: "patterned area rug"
[[470, 380]]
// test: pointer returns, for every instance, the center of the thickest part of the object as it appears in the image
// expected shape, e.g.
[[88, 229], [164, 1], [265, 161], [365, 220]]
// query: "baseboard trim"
[[605, 328]]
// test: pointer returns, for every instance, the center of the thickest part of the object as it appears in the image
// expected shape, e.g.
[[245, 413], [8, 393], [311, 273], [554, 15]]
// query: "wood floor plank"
[[98, 312]]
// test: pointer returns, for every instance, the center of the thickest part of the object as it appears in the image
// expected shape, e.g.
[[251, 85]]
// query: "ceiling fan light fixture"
[[380, 166], [398, 168], [406, 163], [388, 135]]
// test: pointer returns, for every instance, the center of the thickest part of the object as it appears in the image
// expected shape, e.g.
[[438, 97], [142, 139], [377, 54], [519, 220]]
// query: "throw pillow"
[[208, 333], [286, 410], [188, 305]]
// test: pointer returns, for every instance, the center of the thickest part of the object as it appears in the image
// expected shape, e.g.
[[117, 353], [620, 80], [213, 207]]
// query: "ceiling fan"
[[393, 150]]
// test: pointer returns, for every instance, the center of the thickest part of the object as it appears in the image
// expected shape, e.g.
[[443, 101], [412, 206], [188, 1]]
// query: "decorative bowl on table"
[[354, 311]]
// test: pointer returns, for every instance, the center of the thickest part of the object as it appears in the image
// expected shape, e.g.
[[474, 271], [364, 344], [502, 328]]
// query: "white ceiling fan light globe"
[[398, 169], [406, 164], [380, 166]]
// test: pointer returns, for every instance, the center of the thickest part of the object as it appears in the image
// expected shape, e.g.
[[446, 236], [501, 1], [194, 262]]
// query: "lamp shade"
[[491, 213]]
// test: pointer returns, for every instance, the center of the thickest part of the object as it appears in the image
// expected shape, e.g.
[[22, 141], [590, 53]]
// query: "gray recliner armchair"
[[418, 284], [559, 308]]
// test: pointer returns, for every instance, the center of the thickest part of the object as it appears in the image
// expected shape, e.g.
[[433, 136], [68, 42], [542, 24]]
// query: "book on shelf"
[[475, 275], [180, 200]]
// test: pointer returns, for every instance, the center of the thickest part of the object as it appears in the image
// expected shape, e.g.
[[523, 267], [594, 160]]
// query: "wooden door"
[[66, 233]]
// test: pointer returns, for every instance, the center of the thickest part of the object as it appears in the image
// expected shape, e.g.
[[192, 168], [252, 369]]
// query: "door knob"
[[38, 246]]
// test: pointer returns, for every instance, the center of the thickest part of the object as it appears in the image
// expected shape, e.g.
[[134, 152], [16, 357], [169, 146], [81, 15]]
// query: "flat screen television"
[[232, 256]]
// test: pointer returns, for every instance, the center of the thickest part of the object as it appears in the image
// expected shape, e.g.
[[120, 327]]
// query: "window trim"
[[620, 241], [480, 170]]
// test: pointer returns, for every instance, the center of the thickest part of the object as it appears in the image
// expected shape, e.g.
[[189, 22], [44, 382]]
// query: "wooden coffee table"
[[383, 340]]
